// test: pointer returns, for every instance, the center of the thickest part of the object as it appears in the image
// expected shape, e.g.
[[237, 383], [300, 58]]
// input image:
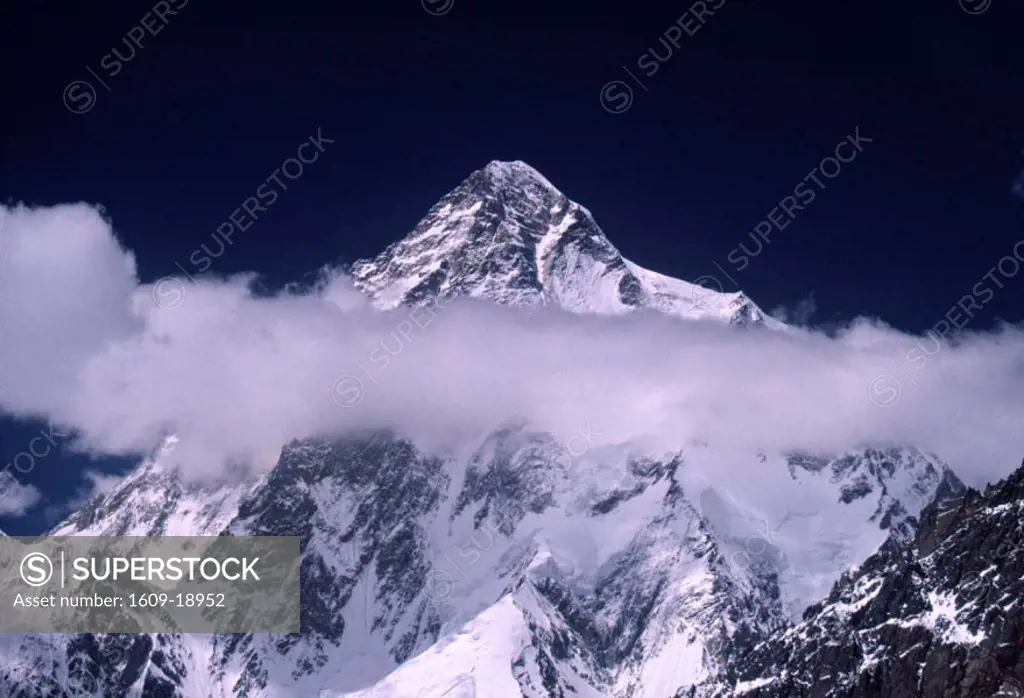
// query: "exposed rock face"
[[506, 234], [940, 616], [606, 575], [519, 567]]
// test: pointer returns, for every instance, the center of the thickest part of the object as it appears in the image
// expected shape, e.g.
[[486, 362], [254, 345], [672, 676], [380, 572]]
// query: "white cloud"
[[800, 314], [97, 483], [15, 498], [237, 376]]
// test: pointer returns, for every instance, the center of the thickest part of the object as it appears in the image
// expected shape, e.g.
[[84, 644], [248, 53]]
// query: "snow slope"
[[506, 234], [504, 568]]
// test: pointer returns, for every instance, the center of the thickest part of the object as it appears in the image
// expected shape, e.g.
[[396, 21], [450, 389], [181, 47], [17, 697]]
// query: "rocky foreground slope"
[[941, 616]]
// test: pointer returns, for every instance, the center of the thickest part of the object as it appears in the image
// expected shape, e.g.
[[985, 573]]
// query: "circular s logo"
[[347, 391], [83, 678], [79, 97], [439, 585], [975, 7], [885, 391], [36, 569], [168, 293], [438, 7], [616, 97], [700, 299]]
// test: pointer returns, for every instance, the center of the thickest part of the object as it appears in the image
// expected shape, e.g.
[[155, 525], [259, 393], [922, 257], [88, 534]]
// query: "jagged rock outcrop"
[[938, 616], [517, 566]]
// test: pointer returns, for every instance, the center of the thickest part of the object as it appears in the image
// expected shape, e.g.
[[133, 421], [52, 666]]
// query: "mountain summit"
[[508, 235], [517, 565]]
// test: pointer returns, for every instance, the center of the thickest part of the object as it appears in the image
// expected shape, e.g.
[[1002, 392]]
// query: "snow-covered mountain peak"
[[153, 500], [514, 564], [517, 174], [508, 235]]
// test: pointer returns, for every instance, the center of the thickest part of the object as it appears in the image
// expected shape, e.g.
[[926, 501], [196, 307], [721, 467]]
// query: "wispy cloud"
[[236, 376], [16, 499], [799, 314]]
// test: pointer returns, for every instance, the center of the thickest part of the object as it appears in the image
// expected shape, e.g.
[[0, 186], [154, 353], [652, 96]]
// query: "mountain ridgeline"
[[501, 571]]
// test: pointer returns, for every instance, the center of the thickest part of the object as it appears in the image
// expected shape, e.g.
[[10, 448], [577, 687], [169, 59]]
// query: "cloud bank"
[[236, 376]]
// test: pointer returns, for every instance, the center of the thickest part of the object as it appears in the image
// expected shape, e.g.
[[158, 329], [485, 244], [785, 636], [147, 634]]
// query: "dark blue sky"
[[727, 126]]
